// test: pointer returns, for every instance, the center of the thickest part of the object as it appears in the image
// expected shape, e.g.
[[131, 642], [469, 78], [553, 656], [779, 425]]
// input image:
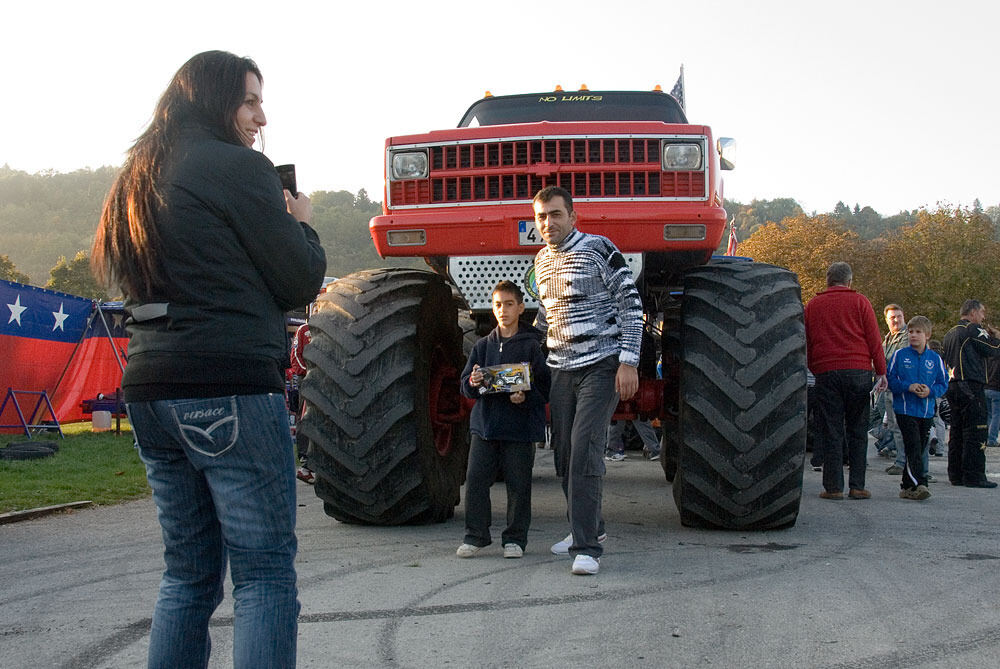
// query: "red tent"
[[70, 347]]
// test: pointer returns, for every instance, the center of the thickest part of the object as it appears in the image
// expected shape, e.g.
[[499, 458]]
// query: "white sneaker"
[[512, 551], [467, 550], [562, 547], [585, 565]]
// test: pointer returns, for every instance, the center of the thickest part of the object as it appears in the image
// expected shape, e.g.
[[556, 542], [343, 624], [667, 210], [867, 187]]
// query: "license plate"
[[527, 234]]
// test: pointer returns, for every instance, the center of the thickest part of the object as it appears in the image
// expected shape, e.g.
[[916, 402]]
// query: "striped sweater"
[[591, 308]]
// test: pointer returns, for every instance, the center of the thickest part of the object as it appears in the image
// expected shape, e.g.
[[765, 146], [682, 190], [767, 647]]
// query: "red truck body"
[[477, 192]]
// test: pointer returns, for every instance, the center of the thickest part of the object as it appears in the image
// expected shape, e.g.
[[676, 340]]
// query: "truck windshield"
[[574, 106]]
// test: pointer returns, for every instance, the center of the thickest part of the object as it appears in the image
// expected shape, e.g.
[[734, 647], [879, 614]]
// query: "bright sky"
[[892, 104]]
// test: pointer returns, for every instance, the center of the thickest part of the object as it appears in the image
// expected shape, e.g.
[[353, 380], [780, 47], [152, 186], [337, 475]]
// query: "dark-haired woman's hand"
[[300, 207]]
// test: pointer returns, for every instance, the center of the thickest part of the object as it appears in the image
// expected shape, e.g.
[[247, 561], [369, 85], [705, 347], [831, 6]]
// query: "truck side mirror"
[[727, 153]]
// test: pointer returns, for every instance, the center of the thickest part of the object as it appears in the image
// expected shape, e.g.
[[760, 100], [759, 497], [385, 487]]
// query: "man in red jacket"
[[843, 344]]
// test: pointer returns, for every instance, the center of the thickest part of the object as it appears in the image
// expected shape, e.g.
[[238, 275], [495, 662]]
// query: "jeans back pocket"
[[209, 426]]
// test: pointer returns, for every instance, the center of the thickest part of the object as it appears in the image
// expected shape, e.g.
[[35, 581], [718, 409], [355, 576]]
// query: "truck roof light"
[[583, 87], [657, 88], [558, 88], [488, 95]]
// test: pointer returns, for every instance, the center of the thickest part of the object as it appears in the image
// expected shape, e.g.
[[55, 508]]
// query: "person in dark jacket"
[[504, 426], [209, 253], [967, 346]]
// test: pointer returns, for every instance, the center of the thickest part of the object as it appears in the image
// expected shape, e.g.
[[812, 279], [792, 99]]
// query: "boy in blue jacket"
[[916, 376], [504, 426]]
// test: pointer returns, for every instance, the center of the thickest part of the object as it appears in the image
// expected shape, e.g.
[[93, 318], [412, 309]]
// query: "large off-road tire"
[[742, 428], [388, 438]]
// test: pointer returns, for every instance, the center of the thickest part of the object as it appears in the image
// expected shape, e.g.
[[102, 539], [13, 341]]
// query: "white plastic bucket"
[[101, 421]]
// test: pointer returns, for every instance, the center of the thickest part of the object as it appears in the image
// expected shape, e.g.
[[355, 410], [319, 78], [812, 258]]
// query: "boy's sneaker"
[[305, 474], [615, 457], [585, 565], [512, 551], [562, 547], [921, 492], [467, 550]]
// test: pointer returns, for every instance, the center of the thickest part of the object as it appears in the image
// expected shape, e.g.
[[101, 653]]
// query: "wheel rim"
[[445, 404]]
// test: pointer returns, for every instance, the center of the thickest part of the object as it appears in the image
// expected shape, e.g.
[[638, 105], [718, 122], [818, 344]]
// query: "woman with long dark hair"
[[209, 254]]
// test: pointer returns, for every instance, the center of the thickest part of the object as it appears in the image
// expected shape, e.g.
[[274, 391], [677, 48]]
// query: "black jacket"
[[966, 346], [234, 261], [494, 416]]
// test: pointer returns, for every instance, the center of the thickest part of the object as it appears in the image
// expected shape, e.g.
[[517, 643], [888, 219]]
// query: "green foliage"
[[807, 245], [101, 467], [929, 265], [9, 271], [74, 277], [750, 217], [341, 221], [937, 262], [47, 215]]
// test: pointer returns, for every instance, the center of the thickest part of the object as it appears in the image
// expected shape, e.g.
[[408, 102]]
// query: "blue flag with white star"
[[39, 331]]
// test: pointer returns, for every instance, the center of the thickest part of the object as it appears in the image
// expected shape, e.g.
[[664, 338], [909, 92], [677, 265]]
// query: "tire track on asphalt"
[[104, 650], [951, 649]]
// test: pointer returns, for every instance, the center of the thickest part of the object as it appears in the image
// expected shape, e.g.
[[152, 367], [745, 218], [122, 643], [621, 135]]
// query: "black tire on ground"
[[741, 441], [668, 455], [28, 450], [670, 347], [388, 439], [467, 324]]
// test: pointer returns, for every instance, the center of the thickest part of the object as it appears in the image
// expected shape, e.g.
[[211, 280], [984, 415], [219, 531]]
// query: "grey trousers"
[[581, 402]]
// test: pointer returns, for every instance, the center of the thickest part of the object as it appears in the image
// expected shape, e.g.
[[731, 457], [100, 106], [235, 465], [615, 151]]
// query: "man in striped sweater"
[[592, 315]]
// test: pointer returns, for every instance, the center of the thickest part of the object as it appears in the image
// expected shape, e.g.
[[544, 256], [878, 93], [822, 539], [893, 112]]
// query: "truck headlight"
[[677, 156], [409, 165]]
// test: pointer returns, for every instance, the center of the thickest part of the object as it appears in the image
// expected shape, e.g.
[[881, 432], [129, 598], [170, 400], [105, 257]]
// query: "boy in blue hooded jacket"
[[504, 426], [917, 376]]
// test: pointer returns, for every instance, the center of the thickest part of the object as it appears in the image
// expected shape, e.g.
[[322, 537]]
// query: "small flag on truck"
[[733, 241], [678, 90]]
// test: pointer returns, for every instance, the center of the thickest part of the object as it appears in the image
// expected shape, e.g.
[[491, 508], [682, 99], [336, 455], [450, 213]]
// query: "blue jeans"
[[993, 406], [222, 471]]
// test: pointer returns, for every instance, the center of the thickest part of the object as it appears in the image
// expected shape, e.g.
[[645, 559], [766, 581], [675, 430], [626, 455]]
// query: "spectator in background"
[[916, 377], [616, 440], [967, 346], [298, 371], [843, 345], [993, 401], [894, 340], [937, 444]]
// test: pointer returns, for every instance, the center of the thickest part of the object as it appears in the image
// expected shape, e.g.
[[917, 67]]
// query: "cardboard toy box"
[[509, 378]]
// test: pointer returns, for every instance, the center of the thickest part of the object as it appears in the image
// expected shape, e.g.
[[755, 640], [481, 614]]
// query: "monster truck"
[[388, 429]]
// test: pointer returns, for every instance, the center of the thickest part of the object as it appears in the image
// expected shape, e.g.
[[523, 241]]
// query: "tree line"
[[928, 261], [48, 219]]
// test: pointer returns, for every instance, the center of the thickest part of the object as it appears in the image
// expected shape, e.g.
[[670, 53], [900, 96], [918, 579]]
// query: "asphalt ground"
[[879, 583]]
